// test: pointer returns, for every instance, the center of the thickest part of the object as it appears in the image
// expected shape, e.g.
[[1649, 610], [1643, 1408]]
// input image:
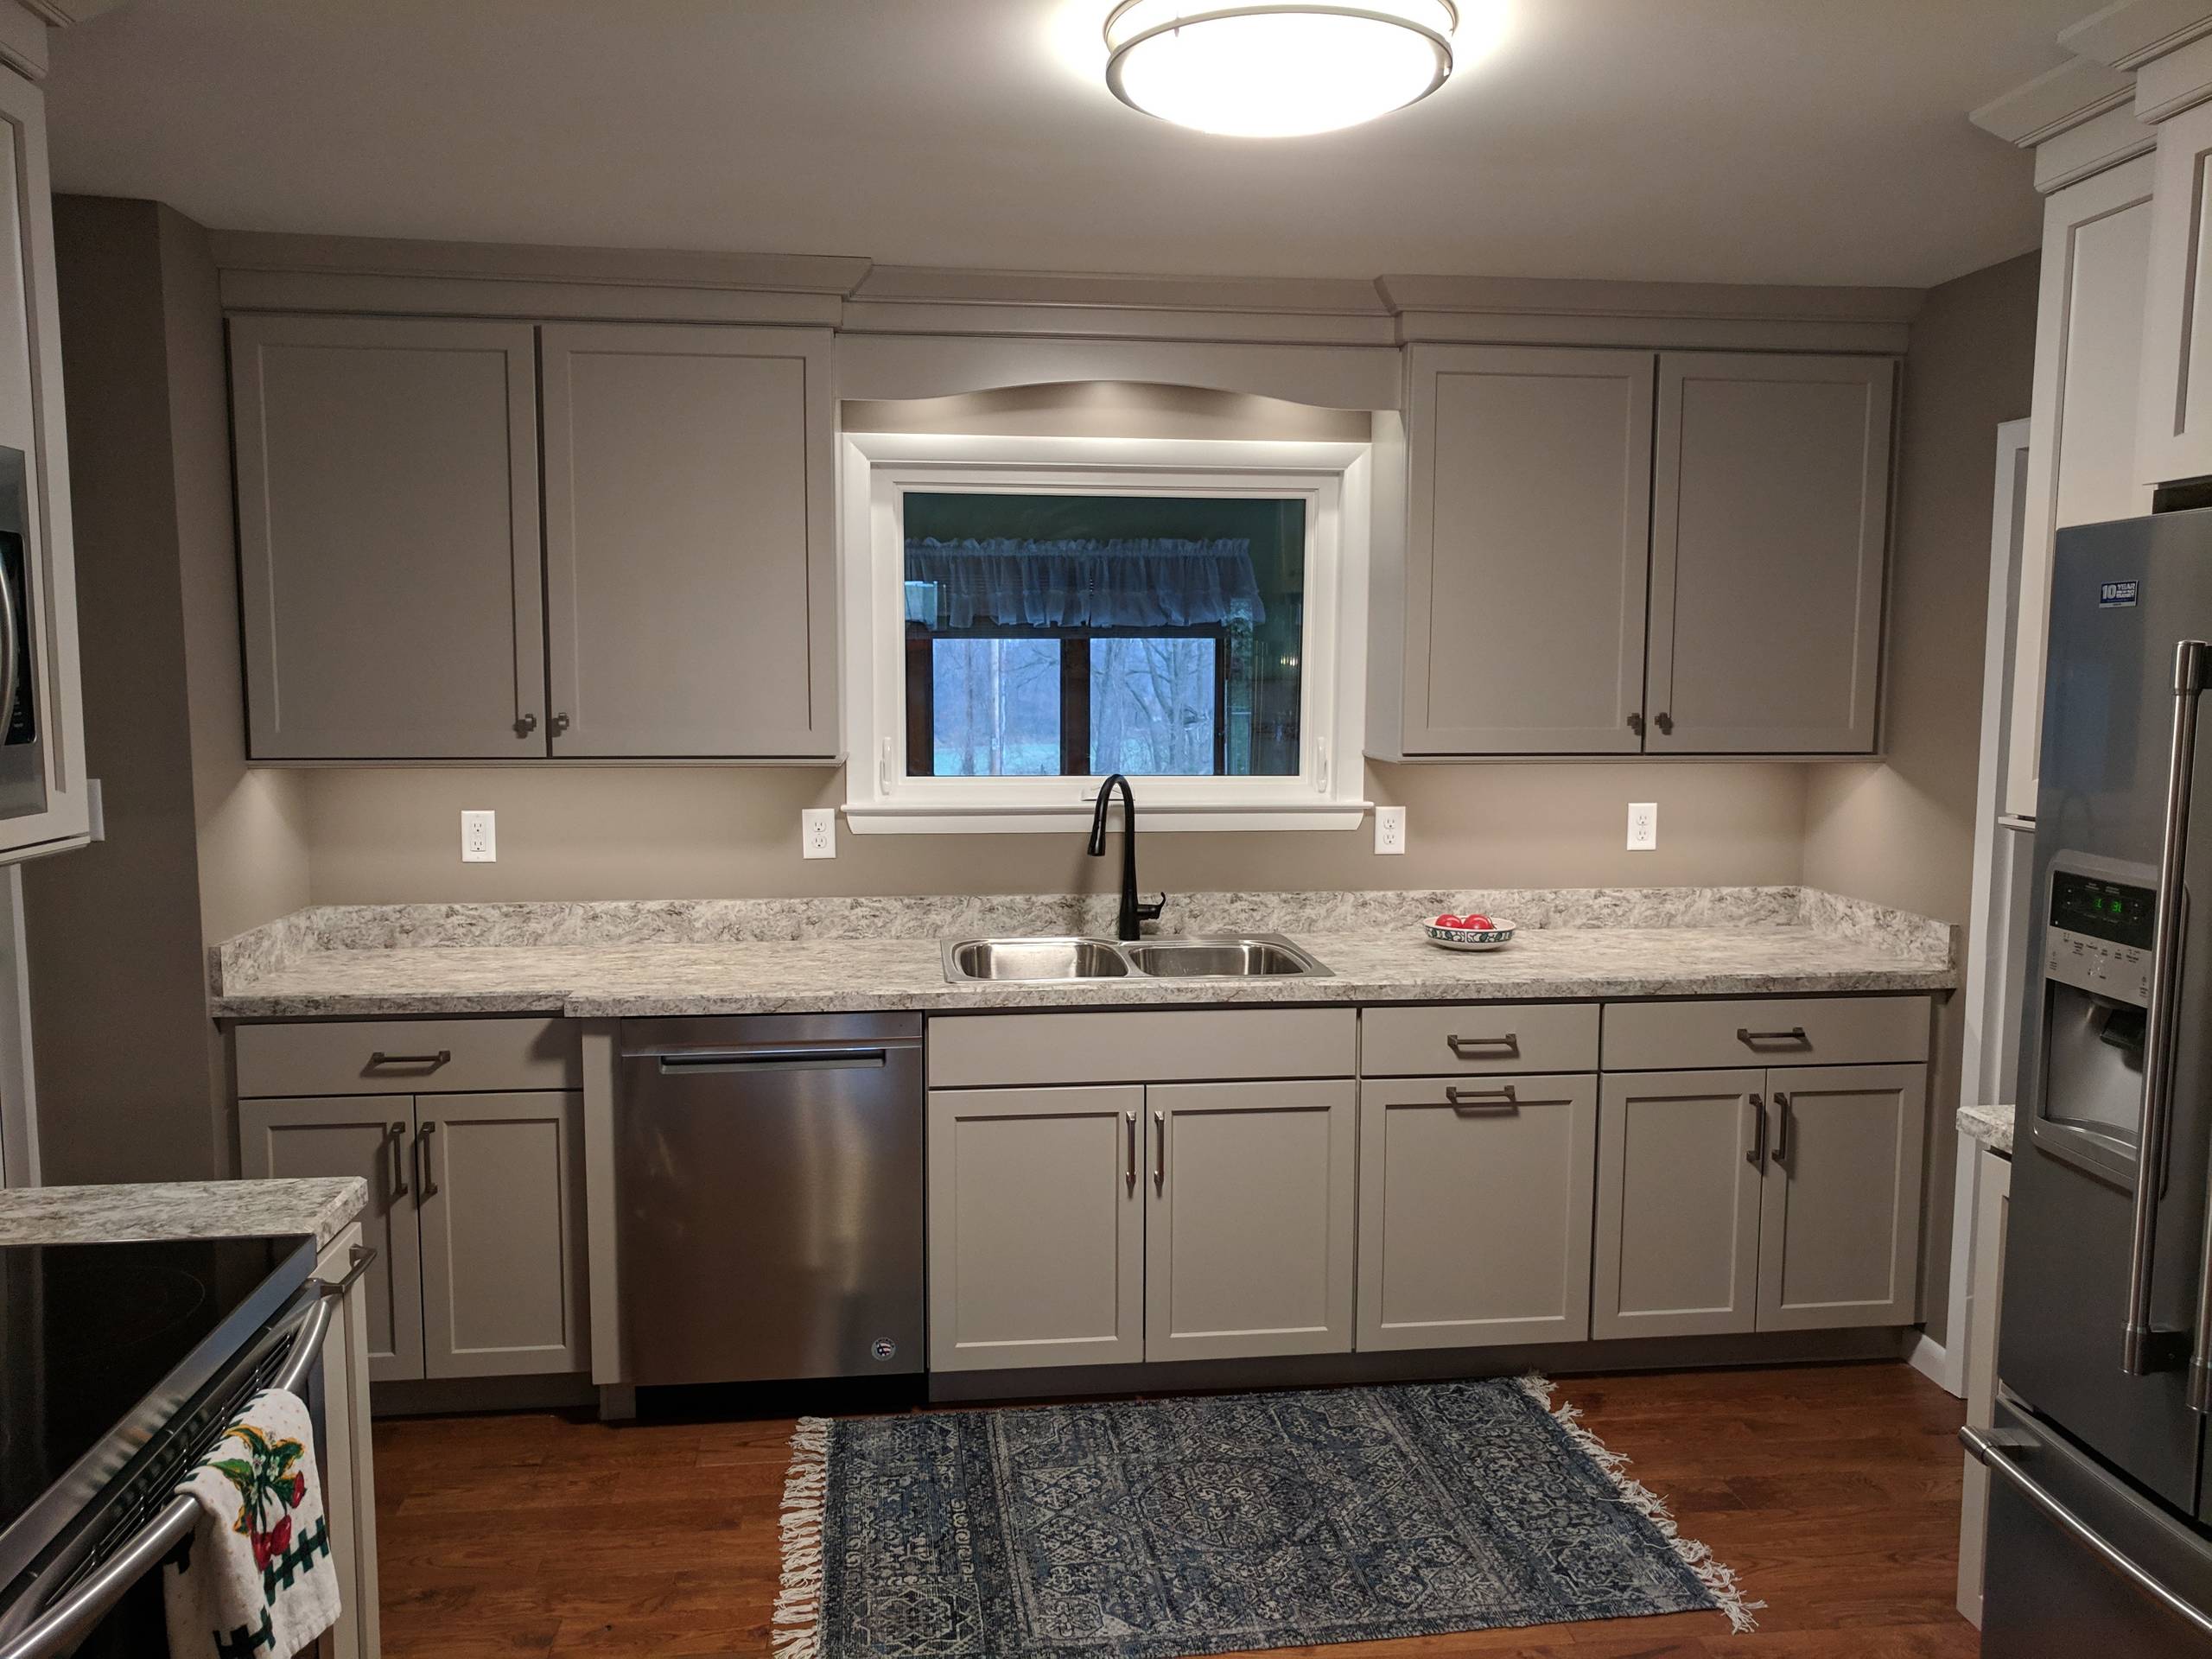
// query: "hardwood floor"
[[1833, 1490]]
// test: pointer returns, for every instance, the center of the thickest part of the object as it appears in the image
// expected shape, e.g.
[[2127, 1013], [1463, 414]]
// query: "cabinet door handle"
[[1130, 1166], [558, 724], [525, 724], [426, 1185], [397, 1138], [1159, 1150], [1462, 1100], [1665, 723], [1459, 1045], [1755, 1154], [1636, 724], [1780, 1127]]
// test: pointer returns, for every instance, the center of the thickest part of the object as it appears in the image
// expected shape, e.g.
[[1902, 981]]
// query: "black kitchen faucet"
[[1126, 924]]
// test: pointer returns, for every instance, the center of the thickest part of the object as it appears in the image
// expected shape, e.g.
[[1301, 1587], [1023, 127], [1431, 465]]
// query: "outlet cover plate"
[[1389, 829], [480, 838], [817, 832], [1642, 826]]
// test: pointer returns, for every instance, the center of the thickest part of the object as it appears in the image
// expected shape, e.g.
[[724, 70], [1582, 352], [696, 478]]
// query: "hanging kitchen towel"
[[255, 1581]]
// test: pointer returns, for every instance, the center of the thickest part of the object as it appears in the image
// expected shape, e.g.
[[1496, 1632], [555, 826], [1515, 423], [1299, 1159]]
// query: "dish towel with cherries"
[[256, 1580]]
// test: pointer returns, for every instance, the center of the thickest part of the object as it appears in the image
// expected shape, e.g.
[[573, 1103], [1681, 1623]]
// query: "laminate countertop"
[[481, 964], [153, 1210]]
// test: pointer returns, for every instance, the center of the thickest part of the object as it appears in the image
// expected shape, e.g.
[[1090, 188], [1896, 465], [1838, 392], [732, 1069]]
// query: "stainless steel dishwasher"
[[770, 1191]]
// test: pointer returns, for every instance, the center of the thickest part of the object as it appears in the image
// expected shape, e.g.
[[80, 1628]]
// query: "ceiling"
[[1715, 140]]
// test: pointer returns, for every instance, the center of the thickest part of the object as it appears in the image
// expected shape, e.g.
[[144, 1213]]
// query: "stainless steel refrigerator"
[[2101, 1502]]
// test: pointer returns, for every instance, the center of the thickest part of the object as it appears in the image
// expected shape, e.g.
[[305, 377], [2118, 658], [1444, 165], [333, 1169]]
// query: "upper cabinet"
[[2173, 434], [1769, 519], [387, 473], [1622, 552], [690, 566], [1531, 494], [2081, 432], [43, 794], [402, 601]]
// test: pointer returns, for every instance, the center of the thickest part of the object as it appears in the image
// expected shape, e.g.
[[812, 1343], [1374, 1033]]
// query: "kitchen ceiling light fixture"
[[1261, 71]]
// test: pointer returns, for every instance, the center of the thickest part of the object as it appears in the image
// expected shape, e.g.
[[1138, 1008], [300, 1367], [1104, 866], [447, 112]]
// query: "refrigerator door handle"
[[1992, 1450], [2138, 1339]]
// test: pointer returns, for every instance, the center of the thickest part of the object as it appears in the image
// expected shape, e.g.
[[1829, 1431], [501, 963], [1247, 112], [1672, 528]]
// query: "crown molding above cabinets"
[[272, 272], [1721, 316], [2132, 33], [2078, 118]]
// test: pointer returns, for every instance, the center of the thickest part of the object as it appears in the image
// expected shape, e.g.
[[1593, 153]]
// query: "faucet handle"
[[1152, 913]]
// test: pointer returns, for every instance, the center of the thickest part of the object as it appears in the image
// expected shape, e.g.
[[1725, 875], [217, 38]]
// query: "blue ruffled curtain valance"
[[1014, 582]]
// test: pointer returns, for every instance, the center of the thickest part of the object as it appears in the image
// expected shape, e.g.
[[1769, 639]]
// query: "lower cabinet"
[[1474, 1210], [1784, 1200], [475, 1212], [1086, 1226]]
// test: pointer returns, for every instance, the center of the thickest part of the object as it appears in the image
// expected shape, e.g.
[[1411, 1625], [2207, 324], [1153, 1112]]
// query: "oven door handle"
[[1992, 1451], [59, 1630], [11, 666]]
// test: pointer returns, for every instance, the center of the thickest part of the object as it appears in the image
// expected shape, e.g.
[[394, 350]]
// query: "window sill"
[[982, 818]]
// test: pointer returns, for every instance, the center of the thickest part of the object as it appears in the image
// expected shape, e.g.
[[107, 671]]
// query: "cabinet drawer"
[[1765, 1031], [1142, 1046], [407, 1057], [1478, 1037]]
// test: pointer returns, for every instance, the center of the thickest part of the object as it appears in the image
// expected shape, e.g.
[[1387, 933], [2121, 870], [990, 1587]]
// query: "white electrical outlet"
[[1389, 829], [1642, 826], [817, 832], [480, 838]]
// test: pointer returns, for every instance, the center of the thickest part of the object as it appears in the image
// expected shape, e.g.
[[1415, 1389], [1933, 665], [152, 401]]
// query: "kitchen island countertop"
[[159, 1209]]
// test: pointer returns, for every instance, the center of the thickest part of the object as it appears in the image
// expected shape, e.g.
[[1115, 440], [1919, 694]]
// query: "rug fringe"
[[797, 1632], [1719, 1579]]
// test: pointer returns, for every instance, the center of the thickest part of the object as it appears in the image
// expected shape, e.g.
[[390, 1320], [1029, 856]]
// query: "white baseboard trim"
[[1933, 1361]]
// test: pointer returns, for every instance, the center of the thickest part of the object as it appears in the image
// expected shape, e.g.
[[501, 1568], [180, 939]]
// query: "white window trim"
[[1337, 479]]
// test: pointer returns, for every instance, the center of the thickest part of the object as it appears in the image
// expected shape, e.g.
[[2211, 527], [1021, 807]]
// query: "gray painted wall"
[[129, 1076], [1900, 831]]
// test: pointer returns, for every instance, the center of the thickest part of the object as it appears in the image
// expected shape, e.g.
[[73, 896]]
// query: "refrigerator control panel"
[[2121, 972]]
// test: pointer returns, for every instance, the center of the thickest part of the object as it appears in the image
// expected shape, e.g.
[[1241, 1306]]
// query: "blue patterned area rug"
[[1151, 1530]]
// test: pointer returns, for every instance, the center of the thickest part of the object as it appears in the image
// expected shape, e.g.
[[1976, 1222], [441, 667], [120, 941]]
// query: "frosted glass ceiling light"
[[1261, 71]]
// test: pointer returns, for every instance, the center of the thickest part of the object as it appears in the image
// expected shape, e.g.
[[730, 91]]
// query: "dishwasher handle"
[[751, 1061]]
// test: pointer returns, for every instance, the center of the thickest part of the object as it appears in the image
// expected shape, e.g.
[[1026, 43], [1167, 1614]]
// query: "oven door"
[[106, 1599]]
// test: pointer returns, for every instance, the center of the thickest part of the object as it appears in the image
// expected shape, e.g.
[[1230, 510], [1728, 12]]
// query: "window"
[[1020, 631], [1080, 635]]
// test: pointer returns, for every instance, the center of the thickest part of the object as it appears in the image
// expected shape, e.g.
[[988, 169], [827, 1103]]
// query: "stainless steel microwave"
[[22, 741]]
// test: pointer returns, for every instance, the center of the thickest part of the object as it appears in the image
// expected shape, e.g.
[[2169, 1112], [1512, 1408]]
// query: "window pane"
[[1152, 707], [998, 708], [1183, 615]]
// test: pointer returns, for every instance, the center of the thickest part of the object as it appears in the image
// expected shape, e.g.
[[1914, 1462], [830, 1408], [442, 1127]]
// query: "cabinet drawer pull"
[[397, 1136], [424, 1165], [1750, 1038], [1755, 1154], [1468, 1100], [442, 1056], [1780, 1127], [1510, 1044]]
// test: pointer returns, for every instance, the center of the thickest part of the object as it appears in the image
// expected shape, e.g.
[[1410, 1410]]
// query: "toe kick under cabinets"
[[1240, 1182]]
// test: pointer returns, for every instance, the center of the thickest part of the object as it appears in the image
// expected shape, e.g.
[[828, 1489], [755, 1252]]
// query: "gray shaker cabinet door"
[[1840, 1240], [1249, 1236], [1474, 1210], [1528, 546], [689, 554], [1678, 1204], [1770, 522], [1036, 1234], [367, 1135], [501, 1191], [390, 573]]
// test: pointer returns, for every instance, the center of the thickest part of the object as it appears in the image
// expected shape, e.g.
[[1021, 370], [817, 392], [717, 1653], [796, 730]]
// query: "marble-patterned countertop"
[[1990, 1125], [593, 981], [109, 1215]]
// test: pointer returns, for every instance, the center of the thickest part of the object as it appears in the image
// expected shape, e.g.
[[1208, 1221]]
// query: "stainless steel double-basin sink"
[[1068, 961]]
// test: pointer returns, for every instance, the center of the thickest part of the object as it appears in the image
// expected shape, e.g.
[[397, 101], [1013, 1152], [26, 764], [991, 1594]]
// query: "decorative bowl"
[[1498, 934]]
